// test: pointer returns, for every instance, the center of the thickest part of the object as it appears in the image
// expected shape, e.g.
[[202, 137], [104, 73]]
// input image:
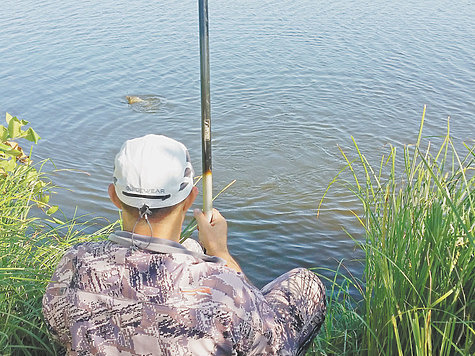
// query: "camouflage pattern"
[[110, 299]]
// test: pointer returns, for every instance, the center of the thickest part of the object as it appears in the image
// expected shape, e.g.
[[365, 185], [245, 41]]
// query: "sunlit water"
[[290, 82]]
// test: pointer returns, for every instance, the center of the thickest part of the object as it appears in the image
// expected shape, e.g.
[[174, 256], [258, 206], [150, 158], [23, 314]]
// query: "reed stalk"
[[419, 294]]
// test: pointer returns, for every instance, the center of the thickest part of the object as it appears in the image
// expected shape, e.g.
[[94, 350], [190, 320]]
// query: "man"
[[141, 292]]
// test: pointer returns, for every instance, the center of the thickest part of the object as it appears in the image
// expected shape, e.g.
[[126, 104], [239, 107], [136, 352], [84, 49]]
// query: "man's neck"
[[168, 228]]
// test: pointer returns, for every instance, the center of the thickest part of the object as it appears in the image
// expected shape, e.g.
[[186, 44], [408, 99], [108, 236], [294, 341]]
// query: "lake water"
[[290, 82]]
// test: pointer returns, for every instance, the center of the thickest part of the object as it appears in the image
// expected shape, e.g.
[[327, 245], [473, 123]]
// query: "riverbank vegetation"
[[416, 296], [31, 243]]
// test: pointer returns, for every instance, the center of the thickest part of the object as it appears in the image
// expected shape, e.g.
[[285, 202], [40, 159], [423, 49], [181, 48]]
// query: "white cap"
[[153, 170]]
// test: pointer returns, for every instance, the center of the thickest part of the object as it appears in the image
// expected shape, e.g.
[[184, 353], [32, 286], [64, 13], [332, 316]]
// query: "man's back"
[[144, 293], [135, 301]]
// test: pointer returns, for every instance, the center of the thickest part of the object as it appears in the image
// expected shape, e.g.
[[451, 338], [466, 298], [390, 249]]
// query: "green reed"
[[419, 293], [342, 330]]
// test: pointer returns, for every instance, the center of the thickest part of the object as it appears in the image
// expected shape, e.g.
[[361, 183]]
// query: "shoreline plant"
[[418, 292], [31, 243]]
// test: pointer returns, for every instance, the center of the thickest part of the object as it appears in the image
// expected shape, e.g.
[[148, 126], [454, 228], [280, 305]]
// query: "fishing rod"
[[205, 110]]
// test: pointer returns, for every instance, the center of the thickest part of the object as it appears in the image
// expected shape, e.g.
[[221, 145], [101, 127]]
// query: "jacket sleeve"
[[56, 299], [253, 324]]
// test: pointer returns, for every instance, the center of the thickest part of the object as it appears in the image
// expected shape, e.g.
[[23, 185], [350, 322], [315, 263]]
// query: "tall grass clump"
[[418, 295], [30, 244], [341, 333]]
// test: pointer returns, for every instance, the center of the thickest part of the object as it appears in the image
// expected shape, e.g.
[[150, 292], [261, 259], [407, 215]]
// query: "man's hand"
[[214, 236]]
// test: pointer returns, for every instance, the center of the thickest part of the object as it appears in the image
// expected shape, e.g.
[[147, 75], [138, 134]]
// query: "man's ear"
[[113, 196], [190, 199]]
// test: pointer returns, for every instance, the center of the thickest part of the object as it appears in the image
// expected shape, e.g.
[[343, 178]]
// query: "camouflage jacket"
[[111, 298]]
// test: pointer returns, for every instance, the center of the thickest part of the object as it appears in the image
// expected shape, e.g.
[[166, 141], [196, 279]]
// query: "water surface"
[[290, 82]]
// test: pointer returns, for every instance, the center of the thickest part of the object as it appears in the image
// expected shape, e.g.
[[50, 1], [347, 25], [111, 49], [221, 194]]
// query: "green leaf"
[[31, 175], [7, 165], [52, 210], [57, 221], [12, 152], [39, 186], [8, 117], [44, 198], [8, 150], [4, 147], [32, 136], [14, 128], [3, 133]]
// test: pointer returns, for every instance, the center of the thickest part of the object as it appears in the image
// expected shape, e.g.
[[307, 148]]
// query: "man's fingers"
[[198, 215], [216, 215], [201, 218]]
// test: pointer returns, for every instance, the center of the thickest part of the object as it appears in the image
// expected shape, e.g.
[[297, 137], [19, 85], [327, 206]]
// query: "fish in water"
[[144, 103], [134, 99]]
